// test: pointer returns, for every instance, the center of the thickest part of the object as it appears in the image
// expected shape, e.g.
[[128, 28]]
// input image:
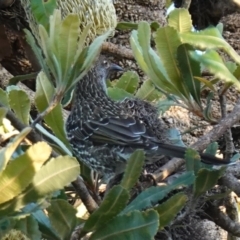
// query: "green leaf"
[[54, 175], [209, 38], [21, 105], [20, 172], [113, 203], [207, 112], [67, 41], [126, 26], [148, 91], [29, 227], [214, 63], [37, 51], [128, 82], [42, 10], [3, 112], [206, 179], [4, 98], [193, 160], [118, 94], [167, 43], [212, 148], [63, 218], [149, 61], [154, 194], [150, 57], [190, 68], [6, 153], [135, 225], [92, 52], [180, 19], [133, 169], [20, 78], [42, 220], [44, 94], [169, 209]]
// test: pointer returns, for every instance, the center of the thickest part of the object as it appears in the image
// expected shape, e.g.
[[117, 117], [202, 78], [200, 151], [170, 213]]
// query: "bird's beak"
[[115, 68]]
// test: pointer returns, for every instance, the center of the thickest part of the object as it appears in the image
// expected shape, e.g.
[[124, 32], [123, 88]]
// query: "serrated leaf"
[[190, 68], [154, 194], [113, 203], [4, 98], [174, 137], [206, 83], [20, 172], [54, 175], [29, 227], [89, 55], [3, 112], [209, 38], [205, 180], [128, 82], [212, 148], [133, 169], [37, 51], [20, 78], [149, 61], [67, 41], [167, 41], [6, 153], [42, 219], [126, 26], [44, 94], [118, 94], [148, 92], [42, 10], [207, 113], [180, 19], [193, 160], [135, 225], [21, 105], [169, 209], [63, 218], [214, 63]]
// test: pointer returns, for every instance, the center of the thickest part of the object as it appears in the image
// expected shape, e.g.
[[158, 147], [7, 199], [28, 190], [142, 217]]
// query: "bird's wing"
[[115, 130]]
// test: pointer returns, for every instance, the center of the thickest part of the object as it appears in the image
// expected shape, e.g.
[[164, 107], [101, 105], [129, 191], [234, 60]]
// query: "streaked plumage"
[[103, 133]]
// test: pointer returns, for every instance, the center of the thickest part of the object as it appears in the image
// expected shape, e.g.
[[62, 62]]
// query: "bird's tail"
[[179, 152]]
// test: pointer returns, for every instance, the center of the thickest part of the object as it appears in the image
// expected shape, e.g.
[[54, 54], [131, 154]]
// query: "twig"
[[228, 134], [223, 220], [167, 169], [114, 49], [83, 193], [217, 131], [231, 182]]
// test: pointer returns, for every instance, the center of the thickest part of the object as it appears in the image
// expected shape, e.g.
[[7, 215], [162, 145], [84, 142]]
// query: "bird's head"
[[104, 68]]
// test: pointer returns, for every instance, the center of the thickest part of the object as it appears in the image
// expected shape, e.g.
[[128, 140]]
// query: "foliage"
[[31, 179], [175, 67]]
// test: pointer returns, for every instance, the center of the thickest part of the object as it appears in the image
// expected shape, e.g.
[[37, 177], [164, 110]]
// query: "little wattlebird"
[[103, 133]]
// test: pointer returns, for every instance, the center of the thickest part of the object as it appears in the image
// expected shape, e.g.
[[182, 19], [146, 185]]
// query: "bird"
[[103, 133]]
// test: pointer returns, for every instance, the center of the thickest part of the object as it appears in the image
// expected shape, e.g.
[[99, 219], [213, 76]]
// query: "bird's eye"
[[105, 62]]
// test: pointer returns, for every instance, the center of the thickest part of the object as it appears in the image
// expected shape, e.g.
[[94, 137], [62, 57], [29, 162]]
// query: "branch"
[[83, 193], [120, 51], [219, 129], [213, 135], [223, 220]]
